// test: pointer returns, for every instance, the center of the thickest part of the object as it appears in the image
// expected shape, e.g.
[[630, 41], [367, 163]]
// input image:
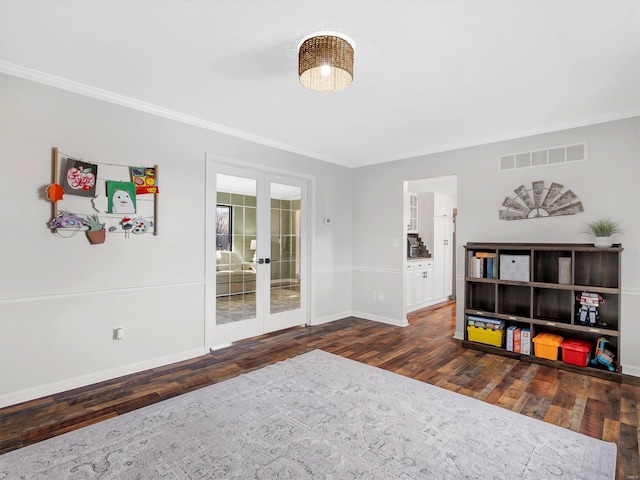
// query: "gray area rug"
[[317, 415]]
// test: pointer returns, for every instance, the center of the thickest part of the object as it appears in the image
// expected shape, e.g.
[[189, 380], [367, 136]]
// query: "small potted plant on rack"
[[96, 233], [603, 229]]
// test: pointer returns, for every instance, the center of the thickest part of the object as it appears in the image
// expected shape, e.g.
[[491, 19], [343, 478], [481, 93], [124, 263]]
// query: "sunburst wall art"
[[540, 201]]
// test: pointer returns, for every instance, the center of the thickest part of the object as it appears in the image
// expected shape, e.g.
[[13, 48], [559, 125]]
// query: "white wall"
[[61, 298], [607, 184]]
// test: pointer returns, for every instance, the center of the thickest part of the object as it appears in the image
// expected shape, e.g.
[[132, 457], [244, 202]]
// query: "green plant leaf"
[[603, 228]]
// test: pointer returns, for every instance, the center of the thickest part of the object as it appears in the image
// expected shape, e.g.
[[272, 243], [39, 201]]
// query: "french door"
[[256, 275]]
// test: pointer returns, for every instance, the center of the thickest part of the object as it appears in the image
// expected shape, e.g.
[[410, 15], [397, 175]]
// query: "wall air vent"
[[539, 158]]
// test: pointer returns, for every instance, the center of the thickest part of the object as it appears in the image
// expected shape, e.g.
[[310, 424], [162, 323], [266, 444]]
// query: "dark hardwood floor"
[[424, 350]]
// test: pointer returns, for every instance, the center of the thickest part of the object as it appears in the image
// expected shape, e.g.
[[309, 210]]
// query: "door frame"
[[211, 161]]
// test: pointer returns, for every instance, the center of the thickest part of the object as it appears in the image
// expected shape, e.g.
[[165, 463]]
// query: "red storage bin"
[[576, 352]]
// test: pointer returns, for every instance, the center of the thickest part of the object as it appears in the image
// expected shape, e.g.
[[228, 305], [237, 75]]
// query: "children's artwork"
[[140, 225], [55, 192], [127, 225], [121, 197], [80, 178], [66, 220], [145, 180]]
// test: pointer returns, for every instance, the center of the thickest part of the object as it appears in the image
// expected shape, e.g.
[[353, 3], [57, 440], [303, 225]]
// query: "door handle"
[[264, 260]]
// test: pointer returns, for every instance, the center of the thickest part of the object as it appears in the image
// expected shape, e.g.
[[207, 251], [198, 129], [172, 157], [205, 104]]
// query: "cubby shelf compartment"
[[553, 304], [481, 296], [550, 301], [596, 268], [546, 265], [514, 300]]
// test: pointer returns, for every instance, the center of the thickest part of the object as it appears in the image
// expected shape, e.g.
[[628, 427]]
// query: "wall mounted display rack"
[[86, 194]]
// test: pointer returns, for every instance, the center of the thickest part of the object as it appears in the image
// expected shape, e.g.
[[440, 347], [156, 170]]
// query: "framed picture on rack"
[[79, 178], [121, 197]]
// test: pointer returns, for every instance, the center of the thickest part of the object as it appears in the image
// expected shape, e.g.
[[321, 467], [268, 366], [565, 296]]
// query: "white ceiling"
[[429, 75]]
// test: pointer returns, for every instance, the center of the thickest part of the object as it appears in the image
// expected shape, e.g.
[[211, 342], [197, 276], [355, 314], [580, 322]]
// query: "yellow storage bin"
[[546, 345], [485, 335]]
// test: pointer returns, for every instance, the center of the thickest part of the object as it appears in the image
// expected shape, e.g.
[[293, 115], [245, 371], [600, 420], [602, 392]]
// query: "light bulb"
[[325, 70]]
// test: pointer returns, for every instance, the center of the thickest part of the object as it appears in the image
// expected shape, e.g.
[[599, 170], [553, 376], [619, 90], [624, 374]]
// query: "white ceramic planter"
[[603, 242]]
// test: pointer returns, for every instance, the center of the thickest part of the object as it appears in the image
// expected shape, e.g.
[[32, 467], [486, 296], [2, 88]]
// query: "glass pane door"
[[256, 253], [287, 250], [233, 268], [235, 257]]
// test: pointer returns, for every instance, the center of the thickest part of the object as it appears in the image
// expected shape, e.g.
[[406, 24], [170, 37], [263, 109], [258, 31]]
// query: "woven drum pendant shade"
[[325, 63]]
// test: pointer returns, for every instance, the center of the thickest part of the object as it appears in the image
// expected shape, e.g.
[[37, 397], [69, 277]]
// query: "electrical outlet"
[[118, 333], [381, 296], [374, 296]]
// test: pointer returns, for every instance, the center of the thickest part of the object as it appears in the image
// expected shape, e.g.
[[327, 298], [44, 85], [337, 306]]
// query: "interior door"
[[286, 286], [256, 253]]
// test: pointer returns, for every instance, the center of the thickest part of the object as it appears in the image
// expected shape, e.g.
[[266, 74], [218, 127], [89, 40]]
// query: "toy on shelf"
[[588, 311], [604, 356]]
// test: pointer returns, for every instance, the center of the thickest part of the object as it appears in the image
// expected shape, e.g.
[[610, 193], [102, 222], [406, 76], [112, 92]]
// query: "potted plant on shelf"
[[603, 229], [96, 233]]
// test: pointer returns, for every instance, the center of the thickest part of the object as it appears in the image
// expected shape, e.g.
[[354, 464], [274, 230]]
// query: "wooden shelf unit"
[[542, 303]]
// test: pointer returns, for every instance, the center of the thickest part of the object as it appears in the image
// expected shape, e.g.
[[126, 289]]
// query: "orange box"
[[546, 345]]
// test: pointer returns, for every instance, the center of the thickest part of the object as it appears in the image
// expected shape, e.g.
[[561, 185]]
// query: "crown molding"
[[111, 97], [583, 122]]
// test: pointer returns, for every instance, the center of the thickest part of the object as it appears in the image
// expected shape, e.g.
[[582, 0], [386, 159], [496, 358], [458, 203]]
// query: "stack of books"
[[483, 265]]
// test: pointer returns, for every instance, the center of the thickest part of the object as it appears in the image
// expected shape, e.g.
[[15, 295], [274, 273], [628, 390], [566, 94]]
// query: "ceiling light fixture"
[[325, 61]]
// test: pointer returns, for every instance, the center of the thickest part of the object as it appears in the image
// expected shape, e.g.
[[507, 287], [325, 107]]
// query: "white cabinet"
[[423, 286], [443, 256], [412, 226], [442, 205], [419, 285], [408, 286], [436, 230]]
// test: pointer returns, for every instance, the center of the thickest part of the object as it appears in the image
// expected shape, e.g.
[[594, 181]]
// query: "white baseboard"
[[84, 380], [630, 370], [365, 316], [428, 304], [329, 318], [376, 318], [458, 336]]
